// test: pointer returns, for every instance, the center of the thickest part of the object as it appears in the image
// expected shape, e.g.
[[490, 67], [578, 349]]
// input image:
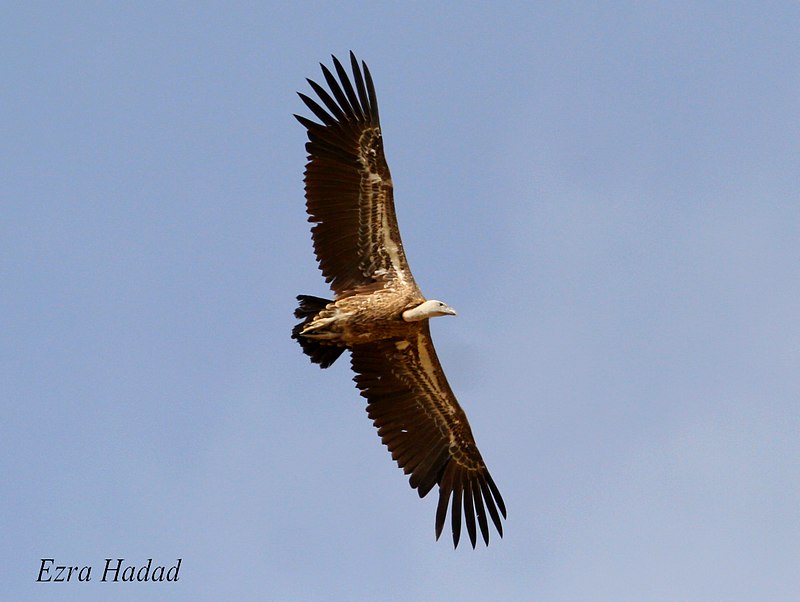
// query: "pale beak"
[[449, 311]]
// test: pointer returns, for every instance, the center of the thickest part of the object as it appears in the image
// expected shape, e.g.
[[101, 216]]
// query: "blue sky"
[[609, 195]]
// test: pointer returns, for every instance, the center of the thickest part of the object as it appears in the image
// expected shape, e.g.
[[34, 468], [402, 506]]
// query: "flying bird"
[[379, 312]]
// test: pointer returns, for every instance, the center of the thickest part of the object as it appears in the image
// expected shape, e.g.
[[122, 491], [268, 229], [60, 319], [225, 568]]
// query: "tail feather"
[[320, 352]]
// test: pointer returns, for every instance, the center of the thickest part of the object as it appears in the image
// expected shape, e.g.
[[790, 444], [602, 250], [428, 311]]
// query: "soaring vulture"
[[379, 313]]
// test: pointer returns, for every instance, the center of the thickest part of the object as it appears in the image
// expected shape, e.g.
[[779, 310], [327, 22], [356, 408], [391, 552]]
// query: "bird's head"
[[428, 309]]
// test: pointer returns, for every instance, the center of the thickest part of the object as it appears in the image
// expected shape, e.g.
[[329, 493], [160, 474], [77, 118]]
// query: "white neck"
[[416, 314], [428, 309]]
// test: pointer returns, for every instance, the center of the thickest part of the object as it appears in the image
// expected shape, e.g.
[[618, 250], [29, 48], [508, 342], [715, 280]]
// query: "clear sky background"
[[610, 196]]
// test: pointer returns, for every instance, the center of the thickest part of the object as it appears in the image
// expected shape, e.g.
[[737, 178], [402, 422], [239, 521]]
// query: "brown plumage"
[[379, 313]]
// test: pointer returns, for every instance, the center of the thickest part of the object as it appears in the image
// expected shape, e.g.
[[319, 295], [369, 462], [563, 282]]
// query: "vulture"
[[378, 312]]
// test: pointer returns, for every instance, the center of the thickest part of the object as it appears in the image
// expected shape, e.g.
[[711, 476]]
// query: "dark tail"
[[320, 352]]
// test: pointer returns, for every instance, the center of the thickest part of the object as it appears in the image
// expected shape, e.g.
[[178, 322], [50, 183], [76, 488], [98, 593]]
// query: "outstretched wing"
[[426, 431], [348, 186]]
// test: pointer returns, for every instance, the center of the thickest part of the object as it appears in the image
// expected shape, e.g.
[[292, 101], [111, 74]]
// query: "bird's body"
[[364, 317], [379, 312]]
